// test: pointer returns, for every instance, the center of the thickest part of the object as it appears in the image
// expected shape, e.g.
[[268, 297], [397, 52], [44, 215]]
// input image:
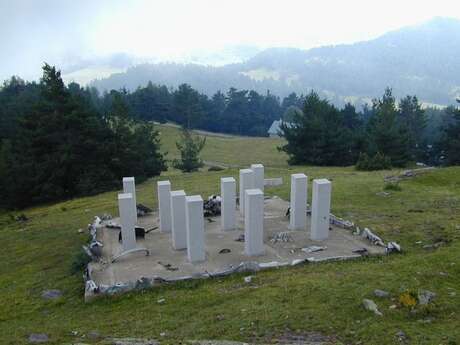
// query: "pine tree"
[[387, 134], [318, 135], [449, 144], [189, 147]]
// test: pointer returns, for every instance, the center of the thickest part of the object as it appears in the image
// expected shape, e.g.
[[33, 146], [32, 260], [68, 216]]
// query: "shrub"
[[377, 162], [394, 186], [79, 262]]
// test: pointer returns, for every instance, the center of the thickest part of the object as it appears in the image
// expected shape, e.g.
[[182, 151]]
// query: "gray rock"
[[51, 294], [371, 306], [425, 297], [36, 338], [401, 336], [94, 335], [133, 341], [381, 293]]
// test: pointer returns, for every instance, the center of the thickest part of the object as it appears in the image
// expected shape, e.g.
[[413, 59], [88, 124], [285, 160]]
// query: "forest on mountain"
[[421, 60]]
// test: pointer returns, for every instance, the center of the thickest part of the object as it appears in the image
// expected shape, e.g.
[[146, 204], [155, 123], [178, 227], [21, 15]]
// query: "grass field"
[[326, 298]]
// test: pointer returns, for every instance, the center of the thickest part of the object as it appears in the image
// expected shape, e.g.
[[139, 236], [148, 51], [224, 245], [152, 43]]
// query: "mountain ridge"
[[423, 60]]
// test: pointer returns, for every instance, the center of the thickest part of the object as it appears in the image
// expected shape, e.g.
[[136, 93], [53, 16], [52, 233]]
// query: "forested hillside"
[[422, 60]]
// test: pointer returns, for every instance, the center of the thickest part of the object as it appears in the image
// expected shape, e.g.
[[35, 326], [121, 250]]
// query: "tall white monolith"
[[195, 228], [178, 221], [298, 214], [127, 219], [254, 222], [164, 205], [228, 203], [129, 186], [258, 176], [246, 182], [320, 209]]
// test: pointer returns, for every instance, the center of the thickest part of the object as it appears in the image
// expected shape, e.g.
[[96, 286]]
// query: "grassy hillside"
[[229, 150], [37, 255]]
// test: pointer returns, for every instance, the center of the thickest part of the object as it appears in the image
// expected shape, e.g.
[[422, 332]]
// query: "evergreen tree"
[[387, 134], [318, 136], [187, 106], [189, 147], [449, 144], [413, 117]]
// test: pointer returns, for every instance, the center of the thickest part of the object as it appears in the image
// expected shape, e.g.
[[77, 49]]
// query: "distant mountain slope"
[[423, 60]]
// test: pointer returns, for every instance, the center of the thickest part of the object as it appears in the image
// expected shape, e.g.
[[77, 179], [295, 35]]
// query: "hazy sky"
[[61, 31]]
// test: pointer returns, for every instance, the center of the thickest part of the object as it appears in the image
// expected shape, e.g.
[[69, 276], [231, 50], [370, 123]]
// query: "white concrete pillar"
[[258, 176], [127, 219], [254, 222], [164, 205], [129, 186], [195, 228], [246, 182], [178, 221], [298, 214], [228, 203], [320, 209]]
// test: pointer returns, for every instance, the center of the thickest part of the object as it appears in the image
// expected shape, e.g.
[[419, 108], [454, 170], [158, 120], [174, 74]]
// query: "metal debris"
[[167, 266], [313, 249], [212, 206], [240, 238], [340, 222], [393, 247], [142, 210], [281, 237], [373, 238]]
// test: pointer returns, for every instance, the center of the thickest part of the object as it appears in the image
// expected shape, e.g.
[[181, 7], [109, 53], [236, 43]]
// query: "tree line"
[[59, 141], [55, 144], [384, 134]]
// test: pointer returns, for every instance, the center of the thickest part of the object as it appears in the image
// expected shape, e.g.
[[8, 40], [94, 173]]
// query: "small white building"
[[275, 129]]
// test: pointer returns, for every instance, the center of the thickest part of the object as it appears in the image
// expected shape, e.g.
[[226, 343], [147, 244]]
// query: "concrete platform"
[[222, 251]]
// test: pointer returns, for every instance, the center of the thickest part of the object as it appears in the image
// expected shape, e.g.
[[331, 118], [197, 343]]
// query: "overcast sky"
[[61, 31]]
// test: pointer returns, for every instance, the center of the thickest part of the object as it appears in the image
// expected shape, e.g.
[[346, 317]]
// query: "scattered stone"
[[393, 306], [133, 341], [371, 306], [220, 317], [393, 247], [240, 238], [93, 335], [36, 338], [161, 301], [381, 293], [51, 294], [401, 336], [384, 194], [425, 297], [224, 251], [248, 279], [426, 320], [74, 333], [80, 231], [163, 334], [444, 274]]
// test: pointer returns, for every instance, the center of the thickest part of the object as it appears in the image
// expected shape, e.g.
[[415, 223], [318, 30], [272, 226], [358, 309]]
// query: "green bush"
[[377, 162], [79, 262], [394, 186]]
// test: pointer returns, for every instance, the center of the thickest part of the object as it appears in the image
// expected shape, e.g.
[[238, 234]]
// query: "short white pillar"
[[246, 182], [258, 176], [164, 205], [129, 186], [298, 214], [127, 218], [254, 222], [178, 221], [320, 209], [228, 203], [195, 228]]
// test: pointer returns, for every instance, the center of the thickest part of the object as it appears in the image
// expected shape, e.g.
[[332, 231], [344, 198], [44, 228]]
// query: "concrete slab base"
[[223, 251]]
